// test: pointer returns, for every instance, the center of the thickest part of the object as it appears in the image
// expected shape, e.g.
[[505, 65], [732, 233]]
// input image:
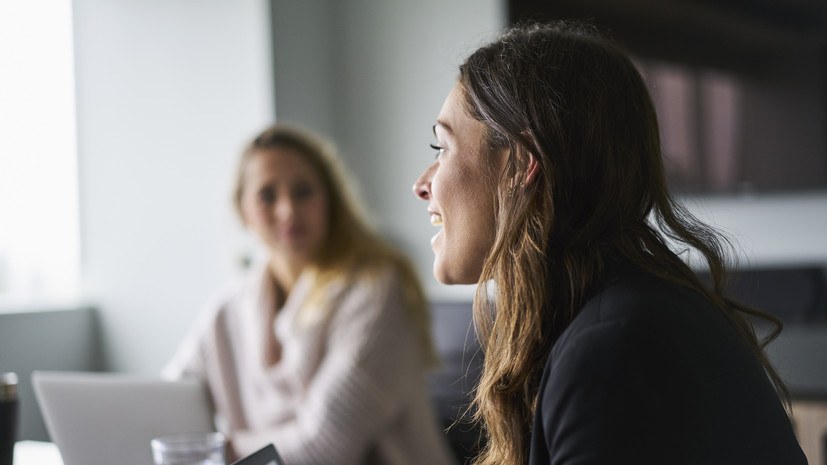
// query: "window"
[[39, 232]]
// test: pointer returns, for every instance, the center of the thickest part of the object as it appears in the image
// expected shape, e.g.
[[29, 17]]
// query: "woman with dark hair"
[[601, 344], [322, 349]]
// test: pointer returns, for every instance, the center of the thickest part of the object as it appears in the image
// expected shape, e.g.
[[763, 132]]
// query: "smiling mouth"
[[436, 219]]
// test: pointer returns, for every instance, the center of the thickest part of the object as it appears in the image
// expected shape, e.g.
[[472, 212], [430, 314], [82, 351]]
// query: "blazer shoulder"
[[639, 301]]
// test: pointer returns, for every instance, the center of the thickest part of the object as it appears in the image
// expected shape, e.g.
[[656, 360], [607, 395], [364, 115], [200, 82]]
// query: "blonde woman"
[[323, 349]]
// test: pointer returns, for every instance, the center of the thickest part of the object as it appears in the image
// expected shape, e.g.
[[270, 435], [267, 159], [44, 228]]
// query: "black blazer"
[[651, 372]]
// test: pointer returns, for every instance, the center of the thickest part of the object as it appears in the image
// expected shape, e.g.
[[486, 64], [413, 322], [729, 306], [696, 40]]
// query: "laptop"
[[106, 418]]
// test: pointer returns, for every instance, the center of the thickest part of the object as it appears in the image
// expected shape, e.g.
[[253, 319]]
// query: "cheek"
[[447, 187], [464, 192], [256, 216], [249, 214], [320, 214], [473, 215]]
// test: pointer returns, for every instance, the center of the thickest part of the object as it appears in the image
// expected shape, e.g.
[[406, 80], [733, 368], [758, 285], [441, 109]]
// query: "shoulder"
[[379, 284], [618, 366], [229, 297], [369, 318], [633, 292], [375, 294], [642, 337], [635, 306], [637, 346], [368, 302]]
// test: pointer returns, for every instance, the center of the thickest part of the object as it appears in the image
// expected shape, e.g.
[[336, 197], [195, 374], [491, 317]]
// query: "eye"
[[267, 195], [438, 149], [303, 191]]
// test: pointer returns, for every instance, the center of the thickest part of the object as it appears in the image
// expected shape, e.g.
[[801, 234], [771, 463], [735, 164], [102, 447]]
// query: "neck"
[[285, 274]]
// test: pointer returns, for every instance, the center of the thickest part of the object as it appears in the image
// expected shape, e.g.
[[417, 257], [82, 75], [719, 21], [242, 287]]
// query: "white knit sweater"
[[350, 389]]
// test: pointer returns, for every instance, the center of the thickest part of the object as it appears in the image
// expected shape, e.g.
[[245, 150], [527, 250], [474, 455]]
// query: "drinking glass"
[[189, 449]]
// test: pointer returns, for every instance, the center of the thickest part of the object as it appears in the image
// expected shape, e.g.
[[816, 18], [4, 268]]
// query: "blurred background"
[[121, 121]]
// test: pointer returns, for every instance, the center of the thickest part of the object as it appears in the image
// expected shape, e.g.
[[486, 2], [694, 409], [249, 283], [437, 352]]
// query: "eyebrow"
[[443, 125]]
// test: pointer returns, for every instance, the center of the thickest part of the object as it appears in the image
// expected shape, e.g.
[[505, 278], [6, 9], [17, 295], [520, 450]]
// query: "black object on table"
[[8, 417]]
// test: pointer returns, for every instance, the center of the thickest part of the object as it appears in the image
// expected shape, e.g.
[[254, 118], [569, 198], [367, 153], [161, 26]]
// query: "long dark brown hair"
[[574, 101]]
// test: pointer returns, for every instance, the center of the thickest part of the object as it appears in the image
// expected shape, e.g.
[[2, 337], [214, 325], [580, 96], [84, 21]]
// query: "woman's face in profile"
[[460, 193], [284, 202]]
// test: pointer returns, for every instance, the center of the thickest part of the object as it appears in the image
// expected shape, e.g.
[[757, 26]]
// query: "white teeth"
[[436, 219]]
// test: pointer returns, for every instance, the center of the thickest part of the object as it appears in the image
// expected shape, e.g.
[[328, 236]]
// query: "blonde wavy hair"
[[352, 249]]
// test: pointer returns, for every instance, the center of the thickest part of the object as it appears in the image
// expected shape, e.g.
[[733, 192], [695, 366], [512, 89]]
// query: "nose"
[[285, 209], [422, 186]]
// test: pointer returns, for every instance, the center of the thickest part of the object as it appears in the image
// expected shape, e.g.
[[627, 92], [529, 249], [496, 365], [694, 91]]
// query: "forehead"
[[454, 120], [278, 163]]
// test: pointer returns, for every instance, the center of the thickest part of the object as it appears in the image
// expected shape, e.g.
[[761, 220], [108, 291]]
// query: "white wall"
[[770, 230], [168, 91]]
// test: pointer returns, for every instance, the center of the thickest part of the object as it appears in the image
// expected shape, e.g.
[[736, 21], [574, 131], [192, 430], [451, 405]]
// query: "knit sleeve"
[[372, 362], [189, 359]]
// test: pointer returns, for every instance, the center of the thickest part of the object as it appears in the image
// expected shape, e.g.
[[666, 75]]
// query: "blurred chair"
[[796, 294], [452, 385], [62, 339]]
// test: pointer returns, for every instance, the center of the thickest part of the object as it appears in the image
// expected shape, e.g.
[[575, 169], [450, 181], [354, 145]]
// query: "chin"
[[448, 276], [441, 275], [444, 279]]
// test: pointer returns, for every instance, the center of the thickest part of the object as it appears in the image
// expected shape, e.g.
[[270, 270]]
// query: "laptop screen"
[[101, 418]]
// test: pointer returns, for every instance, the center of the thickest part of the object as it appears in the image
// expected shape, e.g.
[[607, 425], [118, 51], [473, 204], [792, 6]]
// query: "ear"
[[532, 168], [526, 170]]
